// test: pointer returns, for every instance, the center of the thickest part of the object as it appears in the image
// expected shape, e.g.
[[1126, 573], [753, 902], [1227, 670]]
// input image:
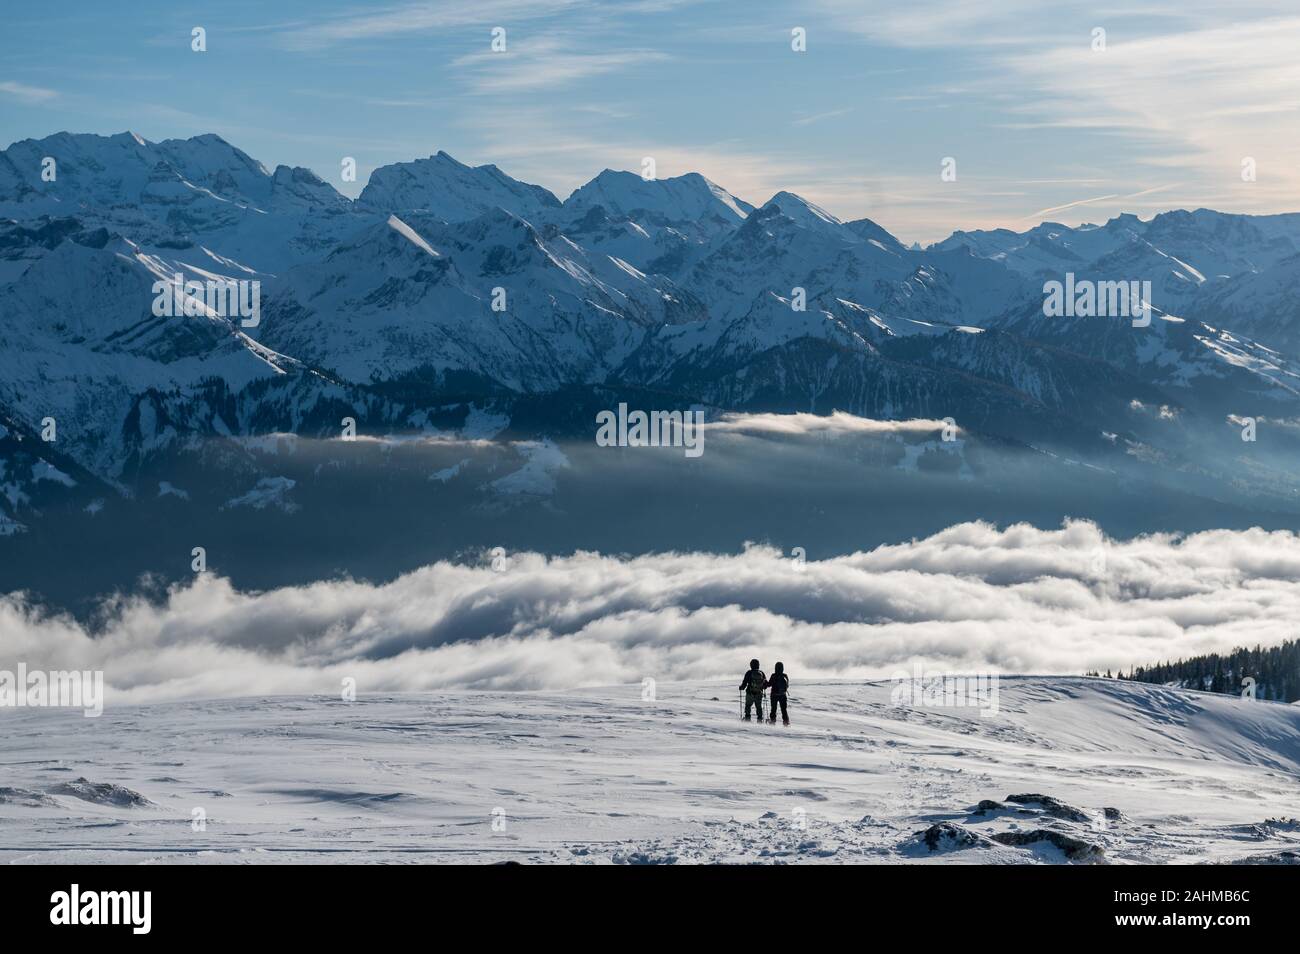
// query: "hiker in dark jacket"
[[779, 684], [753, 684]]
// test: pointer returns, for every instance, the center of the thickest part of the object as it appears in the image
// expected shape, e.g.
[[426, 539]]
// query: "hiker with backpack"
[[780, 685], [753, 684]]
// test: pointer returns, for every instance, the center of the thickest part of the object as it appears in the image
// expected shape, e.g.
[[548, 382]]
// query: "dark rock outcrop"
[[1053, 807], [1075, 849]]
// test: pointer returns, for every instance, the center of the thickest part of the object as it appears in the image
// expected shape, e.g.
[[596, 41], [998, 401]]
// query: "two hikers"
[[753, 685]]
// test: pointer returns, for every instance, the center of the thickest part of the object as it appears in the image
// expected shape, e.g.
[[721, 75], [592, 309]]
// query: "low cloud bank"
[[836, 423], [971, 598]]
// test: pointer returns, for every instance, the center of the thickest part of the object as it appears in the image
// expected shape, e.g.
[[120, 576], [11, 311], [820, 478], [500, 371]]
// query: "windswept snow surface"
[[601, 776]]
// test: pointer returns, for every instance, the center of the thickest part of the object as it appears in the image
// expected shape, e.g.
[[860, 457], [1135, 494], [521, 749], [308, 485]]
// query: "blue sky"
[[1041, 124]]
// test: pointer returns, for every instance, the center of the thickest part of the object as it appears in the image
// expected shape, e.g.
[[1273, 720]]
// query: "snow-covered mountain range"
[[455, 300]]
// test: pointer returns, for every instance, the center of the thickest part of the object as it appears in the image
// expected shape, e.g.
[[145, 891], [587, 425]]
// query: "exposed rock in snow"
[[1274, 858], [945, 836], [101, 793], [165, 489], [1051, 806], [268, 492], [537, 476], [1075, 849]]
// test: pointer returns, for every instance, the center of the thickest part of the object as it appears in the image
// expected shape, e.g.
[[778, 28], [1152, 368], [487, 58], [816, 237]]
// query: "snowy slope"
[[91, 354], [1182, 253], [1264, 304], [600, 776], [196, 194], [789, 243], [418, 295], [657, 225]]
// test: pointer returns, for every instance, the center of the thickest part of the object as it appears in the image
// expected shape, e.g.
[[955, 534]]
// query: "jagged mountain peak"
[[683, 198], [873, 232], [443, 186], [104, 170], [805, 216], [787, 198]]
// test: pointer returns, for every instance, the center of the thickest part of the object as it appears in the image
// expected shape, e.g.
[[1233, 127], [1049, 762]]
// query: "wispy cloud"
[[543, 63], [391, 102], [818, 117], [413, 18], [25, 93], [1115, 200], [1070, 205], [422, 18], [1195, 89]]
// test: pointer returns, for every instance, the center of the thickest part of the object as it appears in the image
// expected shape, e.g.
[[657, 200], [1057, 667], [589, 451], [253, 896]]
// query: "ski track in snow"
[[599, 776]]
